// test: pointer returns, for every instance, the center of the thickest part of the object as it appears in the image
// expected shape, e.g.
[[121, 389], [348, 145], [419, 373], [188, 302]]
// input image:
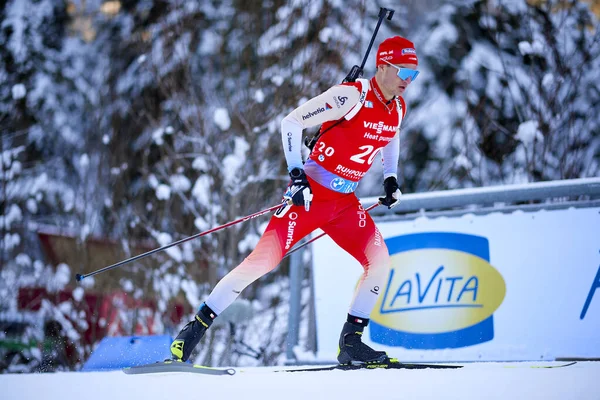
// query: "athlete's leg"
[[286, 228], [354, 231]]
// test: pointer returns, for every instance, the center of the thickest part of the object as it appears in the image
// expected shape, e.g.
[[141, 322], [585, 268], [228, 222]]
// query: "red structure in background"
[[112, 314], [108, 311], [106, 308]]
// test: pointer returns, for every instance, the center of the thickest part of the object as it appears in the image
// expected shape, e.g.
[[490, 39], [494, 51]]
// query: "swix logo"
[[380, 127], [290, 231], [339, 101], [313, 113], [408, 51]]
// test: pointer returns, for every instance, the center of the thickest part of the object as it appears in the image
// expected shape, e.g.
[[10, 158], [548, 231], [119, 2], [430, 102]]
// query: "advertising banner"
[[518, 286]]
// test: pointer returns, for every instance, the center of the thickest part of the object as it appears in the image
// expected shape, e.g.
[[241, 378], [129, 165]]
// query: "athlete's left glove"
[[299, 192], [392, 192]]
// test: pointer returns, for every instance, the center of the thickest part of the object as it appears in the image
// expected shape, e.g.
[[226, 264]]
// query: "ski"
[[175, 366], [394, 364], [391, 364], [542, 366]]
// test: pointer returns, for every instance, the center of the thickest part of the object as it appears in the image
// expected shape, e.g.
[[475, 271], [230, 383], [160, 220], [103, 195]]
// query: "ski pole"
[[320, 236], [80, 277]]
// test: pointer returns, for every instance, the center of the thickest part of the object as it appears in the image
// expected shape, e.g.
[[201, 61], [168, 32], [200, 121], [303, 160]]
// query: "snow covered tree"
[[45, 103], [514, 90]]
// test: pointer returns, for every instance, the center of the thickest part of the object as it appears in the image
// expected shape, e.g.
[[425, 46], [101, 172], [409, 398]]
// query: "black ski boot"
[[351, 348], [192, 332]]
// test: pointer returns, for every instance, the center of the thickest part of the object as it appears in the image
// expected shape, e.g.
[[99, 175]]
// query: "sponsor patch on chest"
[[380, 127]]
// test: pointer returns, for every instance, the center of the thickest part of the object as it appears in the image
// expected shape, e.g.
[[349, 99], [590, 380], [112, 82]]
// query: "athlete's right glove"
[[299, 192], [392, 192]]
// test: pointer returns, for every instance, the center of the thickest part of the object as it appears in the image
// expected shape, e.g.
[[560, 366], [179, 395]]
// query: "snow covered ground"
[[474, 381]]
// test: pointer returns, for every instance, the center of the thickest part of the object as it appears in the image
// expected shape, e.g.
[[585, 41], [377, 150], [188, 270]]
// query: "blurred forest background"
[[126, 125]]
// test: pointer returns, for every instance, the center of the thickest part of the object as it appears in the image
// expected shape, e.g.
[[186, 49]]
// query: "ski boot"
[[351, 348], [192, 332]]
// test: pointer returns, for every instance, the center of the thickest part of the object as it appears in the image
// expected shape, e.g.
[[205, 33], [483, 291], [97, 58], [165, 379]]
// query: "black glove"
[[392, 192], [299, 192]]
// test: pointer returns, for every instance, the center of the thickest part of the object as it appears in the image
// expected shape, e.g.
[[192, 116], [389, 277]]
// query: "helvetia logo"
[[316, 112], [441, 292], [327, 106]]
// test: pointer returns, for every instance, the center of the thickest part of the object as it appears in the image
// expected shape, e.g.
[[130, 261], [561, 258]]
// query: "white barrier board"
[[519, 286]]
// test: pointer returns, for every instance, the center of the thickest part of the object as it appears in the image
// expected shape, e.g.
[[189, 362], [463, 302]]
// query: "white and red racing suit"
[[357, 123]]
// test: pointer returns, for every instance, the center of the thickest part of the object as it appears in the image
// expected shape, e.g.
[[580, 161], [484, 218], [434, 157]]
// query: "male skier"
[[358, 120]]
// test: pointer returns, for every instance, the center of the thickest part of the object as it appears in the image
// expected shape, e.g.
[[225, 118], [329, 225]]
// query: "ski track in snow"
[[474, 381]]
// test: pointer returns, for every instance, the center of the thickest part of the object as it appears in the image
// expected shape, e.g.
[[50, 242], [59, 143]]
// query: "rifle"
[[356, 72]]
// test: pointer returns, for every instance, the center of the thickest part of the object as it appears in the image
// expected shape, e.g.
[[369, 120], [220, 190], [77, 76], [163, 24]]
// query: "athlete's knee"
[[378, 267], [257, 265], [377, 253], [267, 250]]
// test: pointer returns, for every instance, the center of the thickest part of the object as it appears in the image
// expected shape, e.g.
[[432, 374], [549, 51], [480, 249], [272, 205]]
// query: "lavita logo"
[[441, 292], [447, 291]]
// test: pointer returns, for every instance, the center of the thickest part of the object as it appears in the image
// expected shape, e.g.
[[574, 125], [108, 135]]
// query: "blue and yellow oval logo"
[[441, 292]]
